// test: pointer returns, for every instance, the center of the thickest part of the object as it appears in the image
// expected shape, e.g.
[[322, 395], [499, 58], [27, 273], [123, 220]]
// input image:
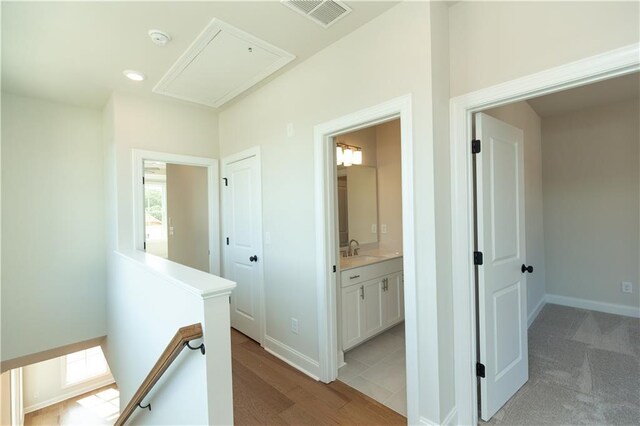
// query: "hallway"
[[268, 391]]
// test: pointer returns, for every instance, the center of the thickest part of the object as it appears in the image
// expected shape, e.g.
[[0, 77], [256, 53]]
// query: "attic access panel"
[[220, 64]]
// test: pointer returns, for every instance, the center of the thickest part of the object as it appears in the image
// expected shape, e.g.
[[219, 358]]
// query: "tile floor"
[[584, 368], [377, 369]]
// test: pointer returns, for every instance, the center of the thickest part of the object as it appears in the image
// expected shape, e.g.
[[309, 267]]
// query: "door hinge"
[[144, 245], [475, 146], [334, 268], [478, 258], [143, 180], [227, 240], [226, 181], [480, 370]]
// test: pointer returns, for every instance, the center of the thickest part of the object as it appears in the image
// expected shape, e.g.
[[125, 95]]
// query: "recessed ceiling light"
[[134, 75]]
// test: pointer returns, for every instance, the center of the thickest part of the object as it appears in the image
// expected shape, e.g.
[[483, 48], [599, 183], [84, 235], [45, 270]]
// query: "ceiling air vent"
[[324, 12]]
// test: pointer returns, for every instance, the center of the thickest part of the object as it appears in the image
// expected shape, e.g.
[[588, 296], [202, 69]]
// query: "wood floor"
[[267, 391], [98, 407]]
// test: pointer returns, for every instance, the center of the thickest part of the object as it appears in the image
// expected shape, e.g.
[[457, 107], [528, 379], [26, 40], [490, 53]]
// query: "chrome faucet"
[[353, 251]]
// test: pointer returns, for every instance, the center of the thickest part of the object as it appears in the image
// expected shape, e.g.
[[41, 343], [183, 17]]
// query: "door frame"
[[138, 158], [327, 234], [233, 158], [610, 64]]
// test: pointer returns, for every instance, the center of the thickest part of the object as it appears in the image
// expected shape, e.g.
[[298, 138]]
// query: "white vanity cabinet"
[[372, 300]]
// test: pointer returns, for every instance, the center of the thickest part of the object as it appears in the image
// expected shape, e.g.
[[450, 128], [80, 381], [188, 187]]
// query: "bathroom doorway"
[[370, 284], [331, 353]]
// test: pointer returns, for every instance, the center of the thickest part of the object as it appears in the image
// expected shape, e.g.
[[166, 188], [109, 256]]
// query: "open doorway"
[[370, 285], [176, 222], [557, 294], [176, 208], [328, 253]]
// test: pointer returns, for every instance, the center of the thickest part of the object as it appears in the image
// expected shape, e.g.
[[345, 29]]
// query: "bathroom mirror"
[[357, 205]]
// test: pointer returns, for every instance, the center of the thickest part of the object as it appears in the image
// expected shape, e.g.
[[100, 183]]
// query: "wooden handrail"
[[171, 352]]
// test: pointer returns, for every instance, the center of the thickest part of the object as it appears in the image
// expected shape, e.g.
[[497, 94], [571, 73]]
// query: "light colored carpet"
[[584, 369]]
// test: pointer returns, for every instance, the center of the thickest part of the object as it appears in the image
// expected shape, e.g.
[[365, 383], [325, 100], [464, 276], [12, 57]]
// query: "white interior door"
[[242, 241], [502, 293]]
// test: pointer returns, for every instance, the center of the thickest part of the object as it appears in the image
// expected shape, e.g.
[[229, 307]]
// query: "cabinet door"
[[373, 315], [351, 316], [394, 299]]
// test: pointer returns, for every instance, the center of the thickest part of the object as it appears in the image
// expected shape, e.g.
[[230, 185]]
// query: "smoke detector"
[[159, 37], [323, 12]]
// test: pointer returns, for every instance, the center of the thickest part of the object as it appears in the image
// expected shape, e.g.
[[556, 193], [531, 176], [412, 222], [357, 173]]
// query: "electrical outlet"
[[627, 287], [374, 229], [290, 129], [383, 228], [294, 325]]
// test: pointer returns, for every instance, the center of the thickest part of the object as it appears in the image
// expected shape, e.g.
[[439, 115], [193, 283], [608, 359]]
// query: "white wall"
[[442, 208], [149, 299], [522, 116], [43, 384], [386, 58], [188, 215], [389, 168], [53, 266], [591, 183], [493, 42], [155, 125]]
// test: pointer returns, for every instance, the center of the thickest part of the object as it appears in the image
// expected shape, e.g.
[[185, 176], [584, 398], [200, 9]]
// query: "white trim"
[[536, 311], [17, 397], [611, 64], [296, 359], [326, 237], [230, 159], [609, 308], [452, 417], [88, 387], [138, 157]]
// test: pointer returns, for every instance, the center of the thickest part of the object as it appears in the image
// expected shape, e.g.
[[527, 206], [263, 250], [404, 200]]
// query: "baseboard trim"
[[426, 421], [609, 308], [296, 359], [452, 417], [536, 311], [69, 394]]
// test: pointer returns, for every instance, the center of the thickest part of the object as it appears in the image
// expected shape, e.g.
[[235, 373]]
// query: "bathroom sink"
[[360, 260]]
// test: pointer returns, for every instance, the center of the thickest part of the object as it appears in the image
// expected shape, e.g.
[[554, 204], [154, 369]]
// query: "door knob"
[[253, 258], [526, 268]]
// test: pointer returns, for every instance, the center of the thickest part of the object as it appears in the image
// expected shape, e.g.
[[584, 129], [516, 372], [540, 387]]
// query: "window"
[[84, 365]]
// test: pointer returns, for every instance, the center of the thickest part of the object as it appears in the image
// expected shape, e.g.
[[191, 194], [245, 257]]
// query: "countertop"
[[368, 258]]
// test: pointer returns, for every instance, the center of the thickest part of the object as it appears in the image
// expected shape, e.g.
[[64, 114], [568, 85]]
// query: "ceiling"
[[75, 52], [592, 95]]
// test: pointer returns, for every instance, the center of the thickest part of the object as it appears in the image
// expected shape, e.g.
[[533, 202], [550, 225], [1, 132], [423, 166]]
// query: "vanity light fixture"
[[348, 155]]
